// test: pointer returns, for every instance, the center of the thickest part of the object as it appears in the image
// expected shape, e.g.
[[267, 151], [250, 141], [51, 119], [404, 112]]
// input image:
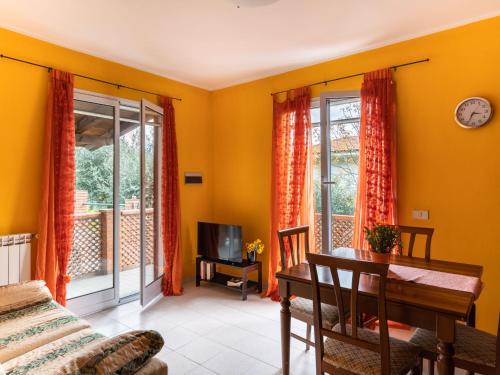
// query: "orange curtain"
[[58, 191], [291, 147], [171, 218], [376, 200]]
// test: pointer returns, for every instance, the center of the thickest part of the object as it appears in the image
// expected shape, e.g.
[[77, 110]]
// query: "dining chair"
[[413, 232], [348, 349], [302, 308], [475, 350], [428, 232], [408, 251]]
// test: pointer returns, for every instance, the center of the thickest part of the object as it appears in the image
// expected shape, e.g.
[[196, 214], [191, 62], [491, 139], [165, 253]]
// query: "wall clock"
[[473, 112]]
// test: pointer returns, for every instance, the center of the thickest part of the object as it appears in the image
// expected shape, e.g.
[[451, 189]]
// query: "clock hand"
[[473, 113]]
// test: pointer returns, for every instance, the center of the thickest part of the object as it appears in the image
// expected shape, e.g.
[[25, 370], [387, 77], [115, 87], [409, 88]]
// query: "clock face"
[[473, 112]]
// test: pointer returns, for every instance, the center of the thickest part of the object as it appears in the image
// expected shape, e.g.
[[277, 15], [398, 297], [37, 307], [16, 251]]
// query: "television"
[[220, 242]]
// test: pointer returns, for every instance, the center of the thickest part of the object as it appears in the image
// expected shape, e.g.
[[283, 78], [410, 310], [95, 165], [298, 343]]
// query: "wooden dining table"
[[418, 305]]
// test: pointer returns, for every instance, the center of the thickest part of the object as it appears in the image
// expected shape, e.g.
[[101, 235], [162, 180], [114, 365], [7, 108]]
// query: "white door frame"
[[326, 182], [109, 297], [151, 292]]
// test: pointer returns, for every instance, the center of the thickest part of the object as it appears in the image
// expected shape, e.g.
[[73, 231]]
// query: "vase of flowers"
[[254, 248], [383, 239]]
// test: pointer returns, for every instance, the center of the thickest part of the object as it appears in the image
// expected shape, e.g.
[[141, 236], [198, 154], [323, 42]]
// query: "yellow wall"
[[23, 91], [452, 172]]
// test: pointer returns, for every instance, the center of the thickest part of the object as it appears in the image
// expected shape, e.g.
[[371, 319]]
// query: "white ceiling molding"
[[215, 44]]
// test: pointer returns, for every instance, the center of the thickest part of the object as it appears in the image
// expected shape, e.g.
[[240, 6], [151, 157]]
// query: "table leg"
[[445, 358], [244, 285], [285, 335], [445, 331], [259, 271], [471, 319], [198, 271]]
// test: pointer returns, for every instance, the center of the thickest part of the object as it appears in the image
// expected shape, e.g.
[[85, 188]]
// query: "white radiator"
[[15, 258]]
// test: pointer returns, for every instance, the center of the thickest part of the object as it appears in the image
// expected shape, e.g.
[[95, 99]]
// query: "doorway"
[[335, 121], [117, 252]]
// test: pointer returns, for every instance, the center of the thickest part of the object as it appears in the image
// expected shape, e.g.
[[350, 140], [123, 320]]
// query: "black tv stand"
[[222, 278]]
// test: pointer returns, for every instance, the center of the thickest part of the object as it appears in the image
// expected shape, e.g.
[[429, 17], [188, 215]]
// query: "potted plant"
[[254, 248], [383, 239]]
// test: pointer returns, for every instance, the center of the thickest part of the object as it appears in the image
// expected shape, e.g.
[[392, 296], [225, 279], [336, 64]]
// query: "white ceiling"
[[214, 44]]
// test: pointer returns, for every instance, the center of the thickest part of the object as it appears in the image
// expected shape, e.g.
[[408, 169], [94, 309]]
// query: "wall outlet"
[[420, 214]]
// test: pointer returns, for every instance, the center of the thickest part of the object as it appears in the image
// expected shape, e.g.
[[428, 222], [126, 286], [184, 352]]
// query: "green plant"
[[383, 238]]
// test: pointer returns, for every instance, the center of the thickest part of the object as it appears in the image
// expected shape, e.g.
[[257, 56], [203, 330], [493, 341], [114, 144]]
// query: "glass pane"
[[316, 162], [344, 159], [153, 248], [130, 193], [91, 261]]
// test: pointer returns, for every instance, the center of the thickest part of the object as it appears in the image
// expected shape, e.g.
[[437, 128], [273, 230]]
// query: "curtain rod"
[[356, 75], [117, 85]]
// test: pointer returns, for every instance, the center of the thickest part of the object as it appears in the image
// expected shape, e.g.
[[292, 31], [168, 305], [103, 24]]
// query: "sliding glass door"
[[117, 249], [151, 249], [339, 156], [93, 264]]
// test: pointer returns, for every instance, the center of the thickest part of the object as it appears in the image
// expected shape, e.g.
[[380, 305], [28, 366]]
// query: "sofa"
[[39, 336]]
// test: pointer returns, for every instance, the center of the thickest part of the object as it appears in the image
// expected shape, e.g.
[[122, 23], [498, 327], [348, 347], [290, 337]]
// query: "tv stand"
[[221, 278]]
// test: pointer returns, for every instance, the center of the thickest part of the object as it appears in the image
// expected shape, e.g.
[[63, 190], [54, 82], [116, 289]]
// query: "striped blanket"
[[40, 337], [88, 352]]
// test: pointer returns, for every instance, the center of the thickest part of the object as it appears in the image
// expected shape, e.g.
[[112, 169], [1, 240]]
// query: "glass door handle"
[[328, 182]]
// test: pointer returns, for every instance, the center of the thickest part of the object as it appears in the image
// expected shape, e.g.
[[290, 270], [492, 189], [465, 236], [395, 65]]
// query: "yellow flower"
[[256, 245]]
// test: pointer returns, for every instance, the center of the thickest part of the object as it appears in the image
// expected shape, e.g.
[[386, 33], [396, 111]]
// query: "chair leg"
[[431, 367], [308, 336]]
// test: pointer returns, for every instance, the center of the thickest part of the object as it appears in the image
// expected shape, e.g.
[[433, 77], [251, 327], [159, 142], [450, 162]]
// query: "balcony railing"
[[342, 231], [92, 252]]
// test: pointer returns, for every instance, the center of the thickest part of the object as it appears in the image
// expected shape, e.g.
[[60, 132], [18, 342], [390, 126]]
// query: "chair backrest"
[[334, 264], [413, 232], [291, 238]]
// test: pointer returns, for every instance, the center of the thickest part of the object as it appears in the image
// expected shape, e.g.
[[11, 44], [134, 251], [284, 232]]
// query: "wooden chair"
[[428, 232], [475, 351], [408, 251], [349, 349], [302, 308], [413, 232]]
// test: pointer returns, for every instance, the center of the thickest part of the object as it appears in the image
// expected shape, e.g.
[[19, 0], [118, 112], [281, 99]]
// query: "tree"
[[94, 171]]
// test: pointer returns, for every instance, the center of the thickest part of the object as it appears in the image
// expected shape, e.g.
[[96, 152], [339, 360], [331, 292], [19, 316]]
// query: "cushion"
[[153, 367], [471, 345], [302, 309], [25, 329], [123, 354], [18, 296], [87, 352], [404, 355]]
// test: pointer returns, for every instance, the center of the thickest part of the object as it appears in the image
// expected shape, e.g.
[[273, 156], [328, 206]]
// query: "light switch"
[[421, 214]]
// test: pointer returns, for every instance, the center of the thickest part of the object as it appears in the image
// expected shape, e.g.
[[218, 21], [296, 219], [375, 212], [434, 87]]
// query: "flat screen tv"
[[220, 242]]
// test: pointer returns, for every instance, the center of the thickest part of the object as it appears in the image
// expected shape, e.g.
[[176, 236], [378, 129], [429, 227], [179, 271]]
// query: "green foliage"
[[343, 196], [383, 238], [94, 171]]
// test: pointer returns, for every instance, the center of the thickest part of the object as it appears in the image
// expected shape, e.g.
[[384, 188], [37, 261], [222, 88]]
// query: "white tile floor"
[[209, 330]]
